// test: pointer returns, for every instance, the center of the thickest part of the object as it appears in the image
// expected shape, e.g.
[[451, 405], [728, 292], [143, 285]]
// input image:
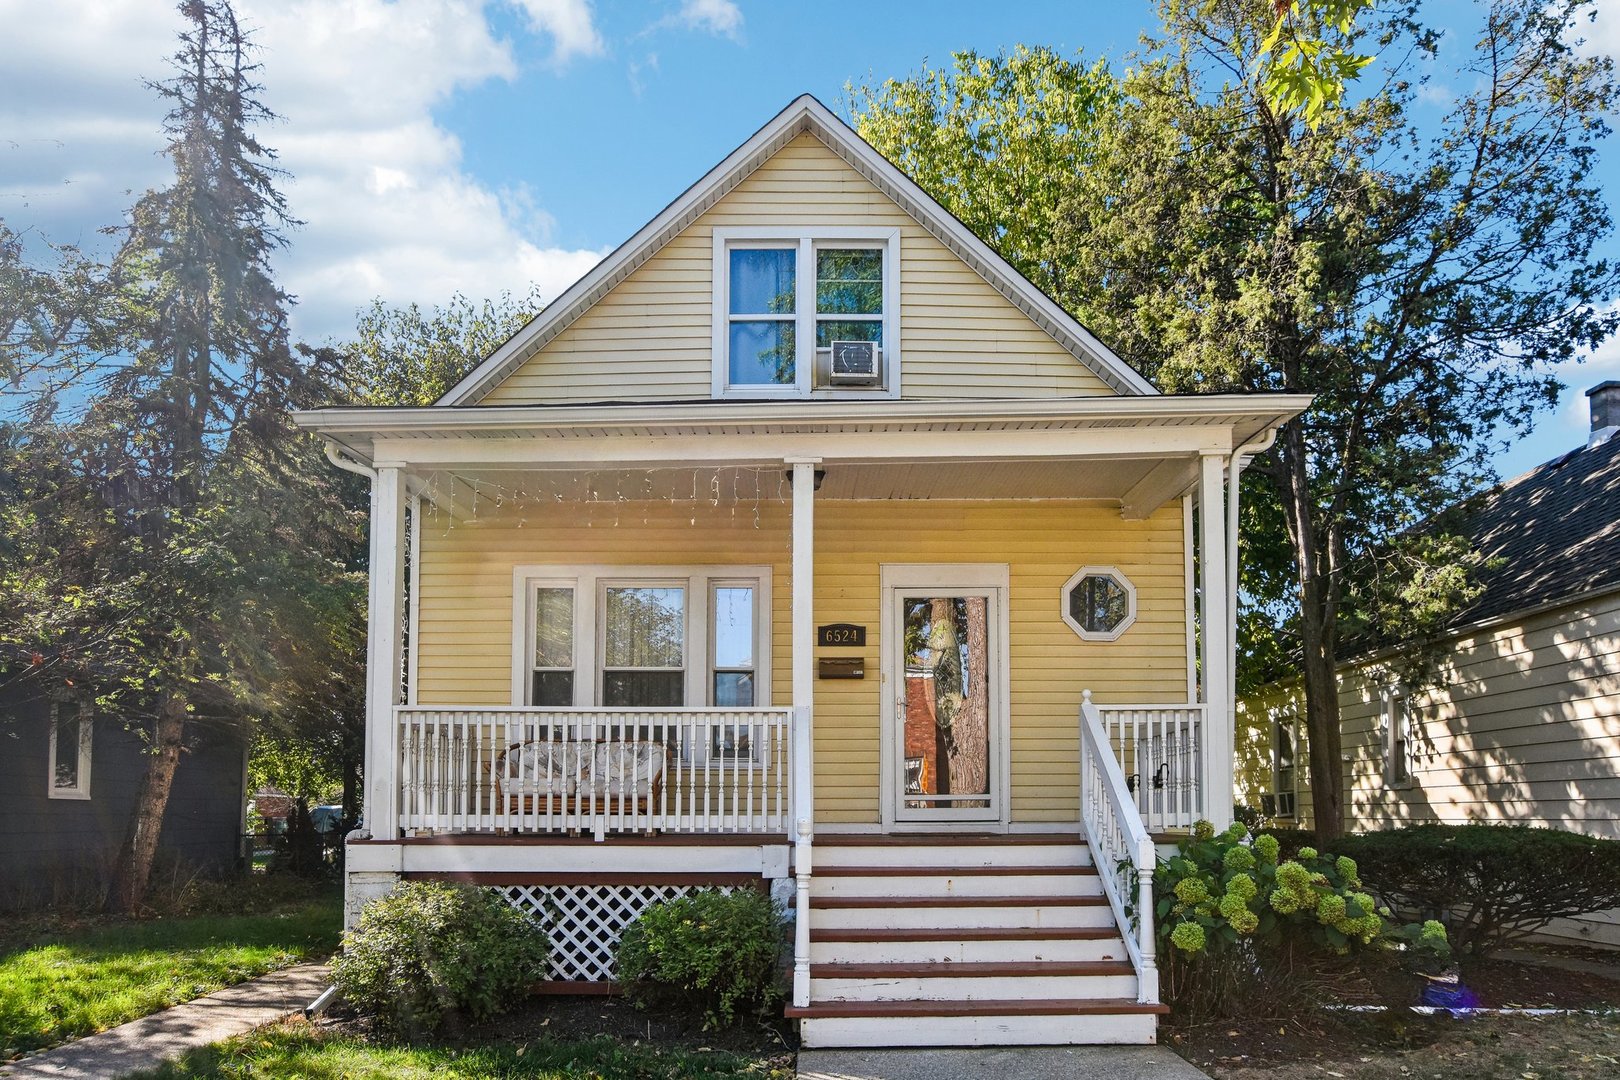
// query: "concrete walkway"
[[148, 1042], [1009, 1062]]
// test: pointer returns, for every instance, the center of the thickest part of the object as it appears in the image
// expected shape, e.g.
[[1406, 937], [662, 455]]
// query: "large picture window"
[[783, 297], [641, 637]]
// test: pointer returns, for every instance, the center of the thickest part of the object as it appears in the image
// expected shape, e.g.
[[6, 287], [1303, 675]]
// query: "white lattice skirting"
[[584, 922]]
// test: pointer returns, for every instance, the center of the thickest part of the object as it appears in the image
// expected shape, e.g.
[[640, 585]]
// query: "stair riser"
[[993, 988], [1013, 855], [934, 952], [932, 885], [955, 917], [1124, 1029]]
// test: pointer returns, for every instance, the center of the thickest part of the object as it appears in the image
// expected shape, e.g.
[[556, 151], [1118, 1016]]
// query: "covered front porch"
[[708, 631]]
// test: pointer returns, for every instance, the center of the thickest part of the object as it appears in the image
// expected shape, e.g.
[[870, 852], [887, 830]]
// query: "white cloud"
[[712, 16], [389, 209], [570, 24], [1600, 35]]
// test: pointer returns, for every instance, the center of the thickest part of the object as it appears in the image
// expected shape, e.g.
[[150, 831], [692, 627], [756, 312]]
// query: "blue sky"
[[443, 145]]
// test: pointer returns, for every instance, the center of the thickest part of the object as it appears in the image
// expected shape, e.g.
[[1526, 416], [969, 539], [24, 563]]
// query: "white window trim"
[[805, 238], [1397, 710], [80, 790], [1098, 571], [589, 582]]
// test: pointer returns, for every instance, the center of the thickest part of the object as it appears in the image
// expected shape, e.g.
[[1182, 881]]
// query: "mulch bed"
[[564, 1017], [1325, 1037]]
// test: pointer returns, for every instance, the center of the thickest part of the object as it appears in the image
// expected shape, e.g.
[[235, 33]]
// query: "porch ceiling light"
[[821, 474], [1098, 603]]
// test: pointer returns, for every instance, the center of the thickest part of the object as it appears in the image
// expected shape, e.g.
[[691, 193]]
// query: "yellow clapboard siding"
[[465, 645], [959, 337]]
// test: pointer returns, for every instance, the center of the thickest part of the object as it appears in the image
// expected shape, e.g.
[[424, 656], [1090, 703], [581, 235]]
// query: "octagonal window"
[[1099, 603]]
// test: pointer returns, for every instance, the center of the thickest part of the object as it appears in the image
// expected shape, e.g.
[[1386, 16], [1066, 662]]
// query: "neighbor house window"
[[69, 751], [782, 299], [1398, 744], [1283, 769], [1099, 603], [643, 638]]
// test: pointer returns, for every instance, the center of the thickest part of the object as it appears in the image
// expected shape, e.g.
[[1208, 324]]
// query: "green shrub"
[[428, 952], [715, 950], [1235, 919], [1489, 883]]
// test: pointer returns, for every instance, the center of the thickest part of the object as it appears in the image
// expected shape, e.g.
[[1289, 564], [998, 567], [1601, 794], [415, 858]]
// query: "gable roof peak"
[[805, 113]]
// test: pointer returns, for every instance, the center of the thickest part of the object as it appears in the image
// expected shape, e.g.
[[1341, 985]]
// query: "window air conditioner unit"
[[855, 363]]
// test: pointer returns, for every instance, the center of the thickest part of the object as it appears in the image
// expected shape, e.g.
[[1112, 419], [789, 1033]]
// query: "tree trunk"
[[134, 869], [1322, 729], [970, 749], [1315, 565]]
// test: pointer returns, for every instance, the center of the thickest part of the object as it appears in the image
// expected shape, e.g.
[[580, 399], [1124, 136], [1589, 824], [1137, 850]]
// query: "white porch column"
[[1215, 785], [804, 686], [383, 651]]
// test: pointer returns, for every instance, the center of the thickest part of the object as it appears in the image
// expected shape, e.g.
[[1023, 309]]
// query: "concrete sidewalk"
[[148, 1042], [1009, 1062]]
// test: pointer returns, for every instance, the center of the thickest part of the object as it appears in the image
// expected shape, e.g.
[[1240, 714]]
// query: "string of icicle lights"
[[588, 494]]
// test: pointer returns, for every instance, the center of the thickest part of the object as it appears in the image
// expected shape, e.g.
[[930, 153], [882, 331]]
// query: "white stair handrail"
[[1120, 846]]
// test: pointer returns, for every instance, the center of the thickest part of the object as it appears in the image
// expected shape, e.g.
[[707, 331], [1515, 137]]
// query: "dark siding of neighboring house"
[[60, 850]]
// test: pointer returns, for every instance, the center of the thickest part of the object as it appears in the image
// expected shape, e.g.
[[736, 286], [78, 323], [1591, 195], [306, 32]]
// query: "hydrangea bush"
[[1223, 897]]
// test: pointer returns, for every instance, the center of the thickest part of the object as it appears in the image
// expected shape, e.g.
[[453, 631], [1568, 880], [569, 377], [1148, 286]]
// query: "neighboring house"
[[680, 553], [68, 782], [1522, 721]]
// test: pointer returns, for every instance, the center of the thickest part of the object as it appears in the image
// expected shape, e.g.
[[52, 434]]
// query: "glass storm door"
[[945, 734]]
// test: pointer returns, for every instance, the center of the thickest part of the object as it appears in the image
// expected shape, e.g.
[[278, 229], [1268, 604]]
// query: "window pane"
[[643, 689], [831, 330], [553, 689], [646, 627], [1099, 604], [731, 741], [734, 627], [734, 690], [67, 752], [554, 628], [762, 281], [849, 281], [762, 354]]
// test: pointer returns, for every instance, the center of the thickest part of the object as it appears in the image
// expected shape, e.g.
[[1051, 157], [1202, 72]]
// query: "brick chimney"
[[1605, 402]]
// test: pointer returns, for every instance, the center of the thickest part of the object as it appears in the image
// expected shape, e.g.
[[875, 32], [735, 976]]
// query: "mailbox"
[[840, 667]]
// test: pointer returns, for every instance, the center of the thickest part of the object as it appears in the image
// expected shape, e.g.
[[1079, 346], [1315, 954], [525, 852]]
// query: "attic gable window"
[[783, 297]]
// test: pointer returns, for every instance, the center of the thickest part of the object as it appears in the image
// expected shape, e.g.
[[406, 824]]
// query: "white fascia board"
[[805, 113], [1262, 410]]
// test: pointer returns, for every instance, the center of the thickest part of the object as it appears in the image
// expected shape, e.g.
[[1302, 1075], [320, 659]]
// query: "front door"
[[944, 677]]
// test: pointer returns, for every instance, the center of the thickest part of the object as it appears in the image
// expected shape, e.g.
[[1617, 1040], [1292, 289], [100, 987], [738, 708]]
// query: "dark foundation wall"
[[62, 850]]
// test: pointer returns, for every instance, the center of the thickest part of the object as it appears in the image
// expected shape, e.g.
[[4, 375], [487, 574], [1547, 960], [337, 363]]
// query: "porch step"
[[965, 853], [944, 881], [952, 940], [1013, 1022], [992, 980]]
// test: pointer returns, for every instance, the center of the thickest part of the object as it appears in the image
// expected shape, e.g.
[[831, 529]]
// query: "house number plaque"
[[841, 634]]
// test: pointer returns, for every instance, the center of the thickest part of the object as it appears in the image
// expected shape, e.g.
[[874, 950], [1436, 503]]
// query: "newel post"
[[1147, 988]]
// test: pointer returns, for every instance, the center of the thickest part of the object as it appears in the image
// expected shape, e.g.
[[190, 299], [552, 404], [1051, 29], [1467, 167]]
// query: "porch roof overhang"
[[1152, 443]]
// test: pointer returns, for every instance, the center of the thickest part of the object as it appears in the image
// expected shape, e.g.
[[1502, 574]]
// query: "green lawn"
[[295, 1049], [75, 982]]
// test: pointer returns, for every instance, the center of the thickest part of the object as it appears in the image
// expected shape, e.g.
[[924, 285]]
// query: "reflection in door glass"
[[947, 707]]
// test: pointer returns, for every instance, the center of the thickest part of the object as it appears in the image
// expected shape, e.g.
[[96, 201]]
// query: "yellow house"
[[804, 544]]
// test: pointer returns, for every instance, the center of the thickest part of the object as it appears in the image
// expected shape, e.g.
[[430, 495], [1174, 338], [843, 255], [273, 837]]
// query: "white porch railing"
[[1157, 747], [1120, 847], [593, 770]]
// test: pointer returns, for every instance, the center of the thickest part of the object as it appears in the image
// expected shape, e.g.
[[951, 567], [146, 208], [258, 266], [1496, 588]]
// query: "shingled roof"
[[1554, 531]]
